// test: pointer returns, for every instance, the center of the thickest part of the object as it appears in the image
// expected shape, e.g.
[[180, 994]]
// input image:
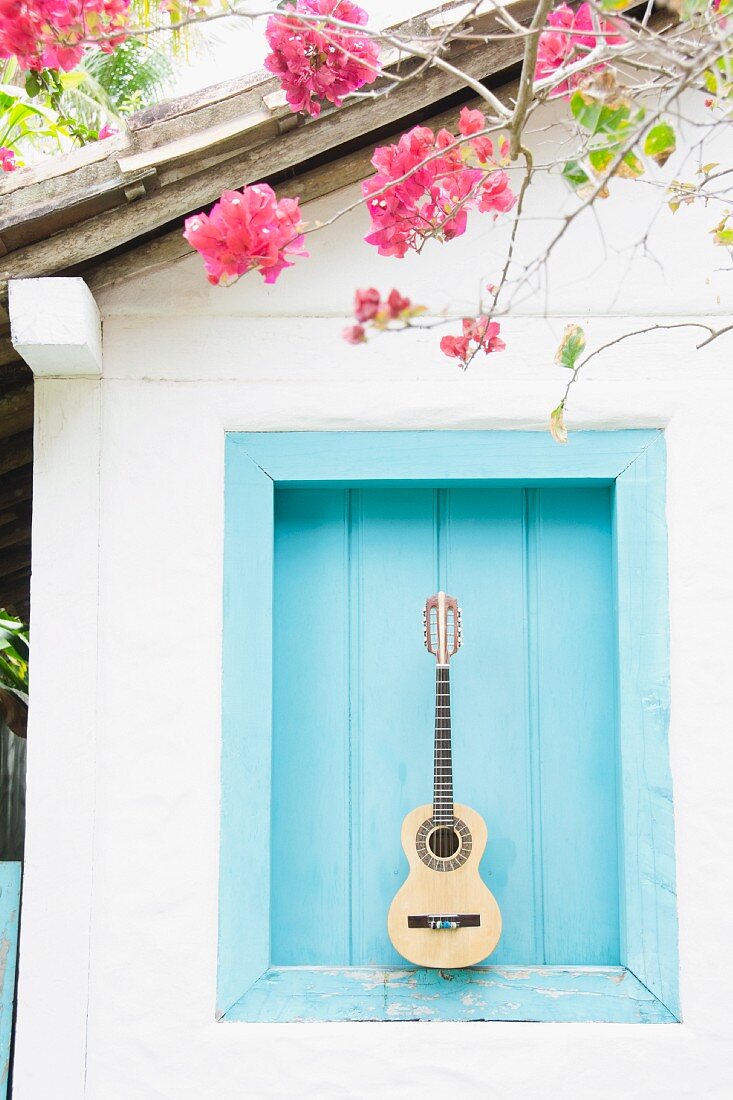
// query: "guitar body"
[[456, 889]]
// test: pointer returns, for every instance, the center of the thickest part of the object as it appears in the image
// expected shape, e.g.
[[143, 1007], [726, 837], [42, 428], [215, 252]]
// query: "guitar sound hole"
[[444, 842]]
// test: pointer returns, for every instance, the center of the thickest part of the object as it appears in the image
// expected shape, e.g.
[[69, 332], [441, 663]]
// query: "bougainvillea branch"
[[616, 80]]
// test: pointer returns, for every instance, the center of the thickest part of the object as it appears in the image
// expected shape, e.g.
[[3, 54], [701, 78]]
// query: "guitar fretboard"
[[443, 767]]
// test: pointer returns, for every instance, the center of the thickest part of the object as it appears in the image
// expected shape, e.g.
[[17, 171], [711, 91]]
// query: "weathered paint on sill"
[[553, 994]]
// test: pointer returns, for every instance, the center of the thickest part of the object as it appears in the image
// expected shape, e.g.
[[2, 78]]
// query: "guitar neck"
[[443, 766]]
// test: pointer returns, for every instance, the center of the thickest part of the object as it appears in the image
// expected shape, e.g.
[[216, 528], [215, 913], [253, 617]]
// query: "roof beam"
[[56, 327]]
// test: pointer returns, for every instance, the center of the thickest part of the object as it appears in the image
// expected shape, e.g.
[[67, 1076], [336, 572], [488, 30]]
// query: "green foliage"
[[723, 232], [610, 118], [558, 431], [56, 110], [718, 80], [13, 653], [132, 76], [574, 173], [660, 142], [571, 347], [23, 122]]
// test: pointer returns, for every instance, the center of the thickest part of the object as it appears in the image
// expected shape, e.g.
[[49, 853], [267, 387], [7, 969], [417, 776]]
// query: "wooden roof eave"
[[176, 160], [308, 186]]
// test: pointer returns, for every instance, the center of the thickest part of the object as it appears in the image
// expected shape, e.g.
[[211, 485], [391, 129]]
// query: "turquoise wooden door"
[[534, 716]]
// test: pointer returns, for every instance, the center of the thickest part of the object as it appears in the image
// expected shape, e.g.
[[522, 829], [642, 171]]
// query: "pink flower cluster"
[[557, 48], [479, 333], [248, 230], [7, 159], [473, 122], [426, 184], [316, 60], [52, 34], [370, 309]]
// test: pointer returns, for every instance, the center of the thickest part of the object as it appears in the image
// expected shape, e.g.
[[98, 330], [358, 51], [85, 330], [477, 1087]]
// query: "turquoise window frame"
[[644, 989]]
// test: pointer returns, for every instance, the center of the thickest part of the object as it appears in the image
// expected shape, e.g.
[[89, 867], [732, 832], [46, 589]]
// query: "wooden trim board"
[[10, 875], [644, 989]]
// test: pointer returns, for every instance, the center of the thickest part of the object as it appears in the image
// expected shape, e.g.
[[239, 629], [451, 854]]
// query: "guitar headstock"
[[442, 630]]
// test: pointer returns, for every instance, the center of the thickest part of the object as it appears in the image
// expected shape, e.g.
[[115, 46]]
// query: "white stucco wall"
[[118, 946]]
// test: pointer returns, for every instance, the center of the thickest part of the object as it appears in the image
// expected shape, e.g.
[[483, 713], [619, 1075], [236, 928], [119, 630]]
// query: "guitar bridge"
[[445, 921]]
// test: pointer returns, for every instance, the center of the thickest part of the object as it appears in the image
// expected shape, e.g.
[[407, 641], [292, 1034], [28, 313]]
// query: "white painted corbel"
[[56, 327]]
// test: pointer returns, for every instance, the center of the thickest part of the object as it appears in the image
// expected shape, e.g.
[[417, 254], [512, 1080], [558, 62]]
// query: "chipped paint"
[[479, 993]]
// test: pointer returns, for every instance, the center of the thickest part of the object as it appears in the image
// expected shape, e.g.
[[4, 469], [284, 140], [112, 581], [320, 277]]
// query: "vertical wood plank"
[[244, 870], [398, 696], [483, 533], [577, 727], [649, 891], [355, 744], [310, 903], [531, 616], [9, 914]]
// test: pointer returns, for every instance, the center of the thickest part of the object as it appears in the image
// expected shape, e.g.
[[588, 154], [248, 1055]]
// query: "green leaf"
[[615, 5], [32, 84], [660, 143], [710, 81], [600, 159], [631, 167], [69, 81], [558, 431], [575, 174], [612, 119], [571, 347], [585, 110]]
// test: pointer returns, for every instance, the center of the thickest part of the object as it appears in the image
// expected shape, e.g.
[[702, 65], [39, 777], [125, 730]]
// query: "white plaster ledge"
[[56, 327]]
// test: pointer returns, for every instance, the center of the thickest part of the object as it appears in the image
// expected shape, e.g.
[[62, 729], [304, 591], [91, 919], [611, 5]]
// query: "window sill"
[[558, 994]]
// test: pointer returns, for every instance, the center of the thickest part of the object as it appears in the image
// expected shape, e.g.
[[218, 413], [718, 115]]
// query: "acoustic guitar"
[[444, 915]]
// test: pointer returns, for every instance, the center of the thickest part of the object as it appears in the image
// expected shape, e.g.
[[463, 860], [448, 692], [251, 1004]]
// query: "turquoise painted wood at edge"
[[534, 747], [633, 462], [10, 875]]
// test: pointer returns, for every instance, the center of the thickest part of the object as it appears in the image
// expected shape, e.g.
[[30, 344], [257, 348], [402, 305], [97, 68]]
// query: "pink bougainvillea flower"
[[484, 332], [557, 48], [366, 304], [479, 334], [52, 34], [354, 334], [396, 304], [470, 122], [393, 313], [424, 188], [107, 131], [455, 347], [496, 194], [316, 61], [473, 122], [248, 230], [7, 159]]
